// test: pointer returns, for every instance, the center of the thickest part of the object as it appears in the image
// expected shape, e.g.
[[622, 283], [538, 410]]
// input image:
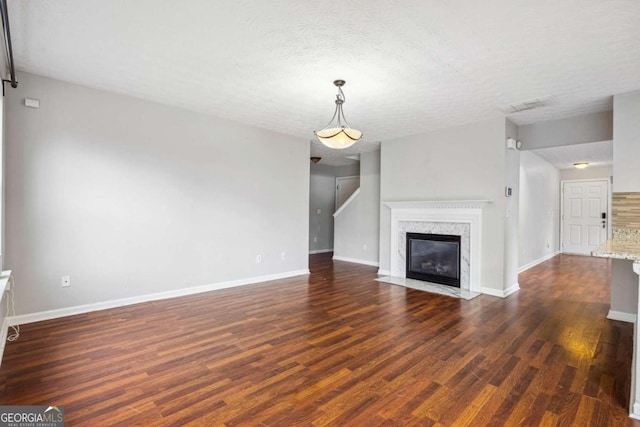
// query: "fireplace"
[[433, 258], [454, 217]]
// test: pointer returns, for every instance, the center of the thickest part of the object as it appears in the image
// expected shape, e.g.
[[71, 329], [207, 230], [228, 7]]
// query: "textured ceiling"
[[563, 157], [410, 66]]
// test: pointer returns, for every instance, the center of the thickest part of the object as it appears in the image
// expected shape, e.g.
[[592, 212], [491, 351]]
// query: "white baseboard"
[[501, 293], [511, 289], [384, 273], [357, 261], [79, 309], [3, 336], [320, 251], [622, 316], [538, 261]]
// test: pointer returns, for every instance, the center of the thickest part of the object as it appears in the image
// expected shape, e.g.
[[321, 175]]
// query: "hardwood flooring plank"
[[338, 348]]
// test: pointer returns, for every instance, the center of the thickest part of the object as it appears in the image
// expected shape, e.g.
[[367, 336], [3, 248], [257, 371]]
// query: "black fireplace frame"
[[429, 277]]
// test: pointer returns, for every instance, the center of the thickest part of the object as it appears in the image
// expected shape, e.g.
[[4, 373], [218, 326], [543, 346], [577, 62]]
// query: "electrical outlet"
[[315, 240], [66, 281], [364, 247], [319, 211], [284, 255], [258, 259]]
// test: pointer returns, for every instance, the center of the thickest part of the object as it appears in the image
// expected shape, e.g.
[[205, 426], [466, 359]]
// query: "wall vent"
[[530, 104]]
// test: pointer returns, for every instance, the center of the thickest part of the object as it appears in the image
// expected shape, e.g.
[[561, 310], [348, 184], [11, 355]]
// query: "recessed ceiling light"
[[581, 165]]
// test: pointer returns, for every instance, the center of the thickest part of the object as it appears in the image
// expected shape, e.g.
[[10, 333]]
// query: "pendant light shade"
[[338, 134], [338, 137]]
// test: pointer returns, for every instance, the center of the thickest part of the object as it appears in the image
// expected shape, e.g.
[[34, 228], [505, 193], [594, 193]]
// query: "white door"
[[584, 216], [345, 186]]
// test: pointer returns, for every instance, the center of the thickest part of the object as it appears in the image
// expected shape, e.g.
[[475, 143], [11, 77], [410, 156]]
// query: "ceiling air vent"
[[526, 105]]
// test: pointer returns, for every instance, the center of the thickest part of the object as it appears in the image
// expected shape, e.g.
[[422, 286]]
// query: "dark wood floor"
[[338, 348]]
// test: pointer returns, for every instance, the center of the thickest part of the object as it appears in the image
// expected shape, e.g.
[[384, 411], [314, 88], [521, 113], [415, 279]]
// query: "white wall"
[[626, 142], [3, 313], [3, 295], [130, 197], [2, 180], [348, 170], [322, 195], [4, 70], [357, 225], [624, 288], [591, 172], [512, 207], [592, 127], [539, 226], [465, 162], [626, 178]]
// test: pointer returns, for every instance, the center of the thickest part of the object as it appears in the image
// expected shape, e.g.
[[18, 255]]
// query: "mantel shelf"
[[439, 204]]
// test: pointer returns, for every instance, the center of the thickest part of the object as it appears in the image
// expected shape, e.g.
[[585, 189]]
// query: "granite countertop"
[[629, 249]]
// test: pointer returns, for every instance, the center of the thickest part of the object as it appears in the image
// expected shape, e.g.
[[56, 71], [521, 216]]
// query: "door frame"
[[609, 198]]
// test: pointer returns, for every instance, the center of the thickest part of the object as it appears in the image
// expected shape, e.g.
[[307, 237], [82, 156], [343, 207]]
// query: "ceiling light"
[[316, 159], [581, 165], [338, 134]]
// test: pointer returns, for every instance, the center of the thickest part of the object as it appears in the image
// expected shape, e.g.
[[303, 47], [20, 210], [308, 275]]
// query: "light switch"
[[32, 103]]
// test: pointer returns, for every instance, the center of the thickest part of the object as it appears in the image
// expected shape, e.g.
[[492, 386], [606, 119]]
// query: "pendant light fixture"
[[338, 134]]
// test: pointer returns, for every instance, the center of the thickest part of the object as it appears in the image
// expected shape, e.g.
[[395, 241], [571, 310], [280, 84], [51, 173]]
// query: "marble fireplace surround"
[[455, 217]]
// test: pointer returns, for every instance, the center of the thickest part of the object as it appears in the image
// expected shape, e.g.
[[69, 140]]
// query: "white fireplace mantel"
[[463, 217], [439, 204]]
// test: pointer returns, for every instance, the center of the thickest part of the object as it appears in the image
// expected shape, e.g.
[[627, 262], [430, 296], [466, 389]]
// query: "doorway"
[[584, 220]]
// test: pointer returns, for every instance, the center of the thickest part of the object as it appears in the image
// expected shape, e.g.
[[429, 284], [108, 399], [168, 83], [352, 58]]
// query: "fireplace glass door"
[[433, 258]]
